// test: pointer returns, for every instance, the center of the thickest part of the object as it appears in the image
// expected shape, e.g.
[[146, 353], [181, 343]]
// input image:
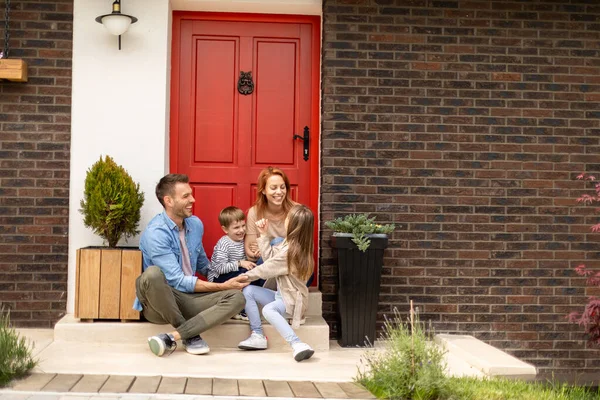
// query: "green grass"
[[411, 368], [15, 353], [505, 389]]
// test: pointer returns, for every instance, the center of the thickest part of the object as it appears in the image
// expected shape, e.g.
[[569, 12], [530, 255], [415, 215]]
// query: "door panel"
[[215, 113], [210, 200], [222, 139], [275, 113]]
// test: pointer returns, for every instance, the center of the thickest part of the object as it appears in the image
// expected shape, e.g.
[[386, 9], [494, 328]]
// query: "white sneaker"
[[256, 341], [302, 351]]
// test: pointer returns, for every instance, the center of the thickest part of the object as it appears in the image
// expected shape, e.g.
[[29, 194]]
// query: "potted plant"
[[105, 278], [360, 242]]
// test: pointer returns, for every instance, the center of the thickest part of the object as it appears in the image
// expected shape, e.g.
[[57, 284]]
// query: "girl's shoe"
[[302, 351], [256, 341]]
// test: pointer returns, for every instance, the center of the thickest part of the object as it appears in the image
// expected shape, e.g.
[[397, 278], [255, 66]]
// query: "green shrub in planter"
[[359, 225], [15, 353], [111, 201]]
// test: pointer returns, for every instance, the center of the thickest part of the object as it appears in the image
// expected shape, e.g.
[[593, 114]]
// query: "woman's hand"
[[247, 264], [262, 225], [253, 247]]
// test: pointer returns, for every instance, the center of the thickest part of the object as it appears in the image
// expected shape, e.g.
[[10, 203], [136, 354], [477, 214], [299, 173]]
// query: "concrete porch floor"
[[336, 365]]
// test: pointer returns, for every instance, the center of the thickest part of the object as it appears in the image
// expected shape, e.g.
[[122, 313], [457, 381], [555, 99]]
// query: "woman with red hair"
[[273, 203]]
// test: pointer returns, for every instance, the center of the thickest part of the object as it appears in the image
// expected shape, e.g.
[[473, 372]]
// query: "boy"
[[229, 258]]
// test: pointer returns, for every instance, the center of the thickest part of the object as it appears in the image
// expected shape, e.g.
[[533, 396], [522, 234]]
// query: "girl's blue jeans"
[[273, 311]]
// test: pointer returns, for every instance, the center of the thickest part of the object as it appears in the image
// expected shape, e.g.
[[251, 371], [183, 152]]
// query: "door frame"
[[315, 114]]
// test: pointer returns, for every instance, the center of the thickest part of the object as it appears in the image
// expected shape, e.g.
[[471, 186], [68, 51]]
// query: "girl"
[[289, 264]]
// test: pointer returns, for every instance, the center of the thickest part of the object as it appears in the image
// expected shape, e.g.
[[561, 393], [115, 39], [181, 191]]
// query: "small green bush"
[[111, 201], [15, 354], [410, 367], [359, 225]]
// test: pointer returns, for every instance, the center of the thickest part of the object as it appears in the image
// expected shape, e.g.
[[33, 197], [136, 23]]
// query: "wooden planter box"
[[13, 70], [105, 283]]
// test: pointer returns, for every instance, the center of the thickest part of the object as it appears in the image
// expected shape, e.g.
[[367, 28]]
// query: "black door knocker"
[[245, 83]]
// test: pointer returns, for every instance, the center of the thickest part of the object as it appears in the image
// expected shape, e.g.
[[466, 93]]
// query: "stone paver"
[[251, 387], [278, 389], [199, 386], [171, 385], [145, 384], [225, 387], [90, 383], [304, 389], [121, 387], [117, 384], [62, 383], [33, 382], [331, 390], [355, 392]]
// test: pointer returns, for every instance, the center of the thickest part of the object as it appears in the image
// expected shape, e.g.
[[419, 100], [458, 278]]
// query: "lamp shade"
[[116, 24]]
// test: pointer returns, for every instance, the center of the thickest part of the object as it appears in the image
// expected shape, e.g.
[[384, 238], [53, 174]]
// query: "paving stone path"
[[102, 385]]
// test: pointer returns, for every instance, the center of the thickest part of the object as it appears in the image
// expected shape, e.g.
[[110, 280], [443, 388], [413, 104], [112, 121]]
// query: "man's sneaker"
[[196, 345], [162, 343], [302, 351], [256, 341], [241, 316]]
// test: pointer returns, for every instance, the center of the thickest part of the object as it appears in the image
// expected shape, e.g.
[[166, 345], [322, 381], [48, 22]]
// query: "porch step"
[[488, 359], [315, 332]]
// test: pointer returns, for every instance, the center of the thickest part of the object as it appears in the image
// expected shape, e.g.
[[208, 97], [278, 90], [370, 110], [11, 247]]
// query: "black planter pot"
[[358, 291]]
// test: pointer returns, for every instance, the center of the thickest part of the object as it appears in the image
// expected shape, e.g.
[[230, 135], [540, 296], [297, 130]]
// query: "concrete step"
[[487, 359], [315, 332]]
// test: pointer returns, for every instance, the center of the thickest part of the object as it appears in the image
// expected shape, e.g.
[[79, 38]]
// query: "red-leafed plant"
[[590, 317]]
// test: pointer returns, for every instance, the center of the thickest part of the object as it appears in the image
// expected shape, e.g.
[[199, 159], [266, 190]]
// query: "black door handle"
[[306, 140]]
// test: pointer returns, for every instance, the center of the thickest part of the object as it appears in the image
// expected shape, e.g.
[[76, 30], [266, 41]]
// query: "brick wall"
[[465, 124], [34, 163]]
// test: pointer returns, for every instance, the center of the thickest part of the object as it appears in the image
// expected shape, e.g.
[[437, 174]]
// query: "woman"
[[272, 203]]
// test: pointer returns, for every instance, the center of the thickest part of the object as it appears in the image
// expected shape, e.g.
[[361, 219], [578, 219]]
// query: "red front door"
[[222, 138]]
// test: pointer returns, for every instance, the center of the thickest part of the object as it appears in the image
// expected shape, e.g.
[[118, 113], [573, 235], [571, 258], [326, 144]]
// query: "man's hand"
[[262, 225], [238, 283], [247, 264]]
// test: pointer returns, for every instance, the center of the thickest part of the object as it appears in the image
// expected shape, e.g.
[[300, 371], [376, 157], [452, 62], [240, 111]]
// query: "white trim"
[[298, 7]]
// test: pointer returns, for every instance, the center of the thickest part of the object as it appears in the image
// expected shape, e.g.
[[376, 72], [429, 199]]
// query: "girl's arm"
[[265, 248], [273, 267]]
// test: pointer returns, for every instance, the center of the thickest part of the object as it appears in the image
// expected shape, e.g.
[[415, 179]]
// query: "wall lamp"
[[115, 22]]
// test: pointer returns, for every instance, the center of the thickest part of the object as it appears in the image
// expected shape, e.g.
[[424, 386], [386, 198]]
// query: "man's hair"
[[166, 185], [229, 215]]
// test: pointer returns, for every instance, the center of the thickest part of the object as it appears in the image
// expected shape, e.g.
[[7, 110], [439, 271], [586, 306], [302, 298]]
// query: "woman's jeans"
[[273, 311]]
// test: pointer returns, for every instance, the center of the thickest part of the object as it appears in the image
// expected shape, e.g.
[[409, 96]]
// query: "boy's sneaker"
[[241, 316], [302, 351], [162, 343], [196, 345], [256, 341]]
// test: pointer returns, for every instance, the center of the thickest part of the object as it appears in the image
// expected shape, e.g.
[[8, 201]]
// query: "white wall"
[[120, 106], [121, 98]]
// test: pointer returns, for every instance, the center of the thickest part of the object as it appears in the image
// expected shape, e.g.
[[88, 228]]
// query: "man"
[[168, 290]]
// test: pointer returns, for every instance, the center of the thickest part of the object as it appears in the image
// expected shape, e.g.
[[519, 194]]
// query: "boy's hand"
[[247, 264], [262, 225]]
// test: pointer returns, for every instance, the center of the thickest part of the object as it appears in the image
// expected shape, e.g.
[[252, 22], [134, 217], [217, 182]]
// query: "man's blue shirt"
[[160, 246]]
